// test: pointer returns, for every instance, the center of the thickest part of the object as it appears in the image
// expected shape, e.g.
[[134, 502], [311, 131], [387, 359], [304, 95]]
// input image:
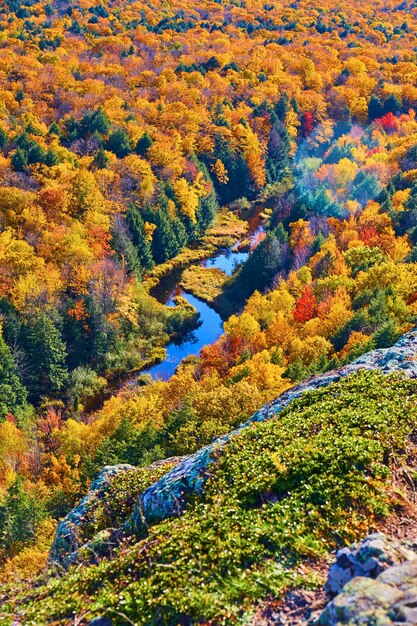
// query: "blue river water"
[[211, 324], [227, 261], [209, 330]]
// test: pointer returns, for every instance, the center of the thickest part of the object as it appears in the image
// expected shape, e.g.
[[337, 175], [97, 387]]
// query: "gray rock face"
[[382, 588], [368, 558], [68, 538], [390, 599], [169, 495]]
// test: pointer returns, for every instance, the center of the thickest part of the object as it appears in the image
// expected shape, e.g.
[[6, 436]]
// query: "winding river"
[[210, 323]]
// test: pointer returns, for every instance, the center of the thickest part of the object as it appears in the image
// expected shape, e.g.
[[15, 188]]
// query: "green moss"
[[284, 491], [113, 510]]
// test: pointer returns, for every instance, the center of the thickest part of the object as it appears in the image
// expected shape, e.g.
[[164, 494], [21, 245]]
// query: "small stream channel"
[[210, 323]]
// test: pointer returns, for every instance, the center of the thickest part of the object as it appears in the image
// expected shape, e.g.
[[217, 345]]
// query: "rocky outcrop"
[[168, 496], [68, 537], [369, 558], [389, 599], [375, 582]]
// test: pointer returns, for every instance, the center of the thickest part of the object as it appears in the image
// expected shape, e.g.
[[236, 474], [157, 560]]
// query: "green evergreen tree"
[[78, 339], [296, 371], [281, 108], [19, 160], [101, 160], [137, 230], [13, 394], [20, 514], [239, 183], [23, 141], [164, 240], [35, 153], [375, 108], [143, 144], [269, 258], [181, 233], [4, 138], [392, 104], [51, 158], [55, 130], [100, 122], [46, 352], [386, 335], [207, 211], [128, 445], [119, 143]]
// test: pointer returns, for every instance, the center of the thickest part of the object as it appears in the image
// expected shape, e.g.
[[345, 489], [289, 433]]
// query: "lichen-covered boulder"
[[368, 558], [389, 599], [376, 583], [168, 496], [94, 528], [363, 601], [69, 538]]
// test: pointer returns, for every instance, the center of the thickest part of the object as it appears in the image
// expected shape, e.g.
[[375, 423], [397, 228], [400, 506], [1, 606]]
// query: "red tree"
[[388, 122], [305, 306], [307, 124]]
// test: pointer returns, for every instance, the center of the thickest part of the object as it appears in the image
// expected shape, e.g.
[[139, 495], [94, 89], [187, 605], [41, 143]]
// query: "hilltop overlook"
[[208, 215]]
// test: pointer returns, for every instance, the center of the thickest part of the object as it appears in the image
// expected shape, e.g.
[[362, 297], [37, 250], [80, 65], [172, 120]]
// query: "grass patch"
[[205, 283]]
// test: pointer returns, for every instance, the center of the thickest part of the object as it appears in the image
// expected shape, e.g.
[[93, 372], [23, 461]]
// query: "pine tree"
[[100, 122], [20, 514], [164, 241], [119, 143], [101, 160], [392, 105], [138, 232], [278, 163], [35, 153], [46, 353], [3, 137], [375, 109], [143, 144], [19, 160], [55, 130], [207, 211], [180, 232], [239, 181], [51, 158], [12, 392], [266, 261], [281, 108]]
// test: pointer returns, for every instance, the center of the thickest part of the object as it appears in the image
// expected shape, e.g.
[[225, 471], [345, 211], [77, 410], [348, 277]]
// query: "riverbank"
[[226, 231], [192, 285], [208, 284]]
